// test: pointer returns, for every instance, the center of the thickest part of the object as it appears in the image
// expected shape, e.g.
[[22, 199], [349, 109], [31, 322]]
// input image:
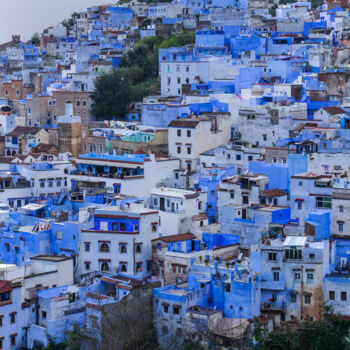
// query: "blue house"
[[228, 288], [209, 181], [120, 17]]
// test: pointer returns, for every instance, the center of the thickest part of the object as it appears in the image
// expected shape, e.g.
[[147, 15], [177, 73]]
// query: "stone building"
[[69, 132]]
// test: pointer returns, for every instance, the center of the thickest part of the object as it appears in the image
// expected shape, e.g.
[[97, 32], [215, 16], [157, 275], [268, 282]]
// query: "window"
[[5, 297], [178, 132], [42, 184], [188, 150], [340, 226], [78, 102], [178, 149], [232, 195], [59, 235], [50, 183], [58, 183], [284, 160], [166, 308], [300, 205], [104, 248], [87, 266], [300, 183], [138, 248], [178, 80], [13, 340], [341, 208], [105, 266], [87, 247], [331, 295], [43, 314], [155, 201], [123, 268], [123, 249], [176, 310], [13, 318], [310, 278], [264, 137], [122, 226], [250, 158], [188, 133], [293, 254], [297, 276], [272, 256], [323, 202], [343, 296], [293, 298], [276, 276], [164, 330], [245, 200], [238, 157], [307, 298]]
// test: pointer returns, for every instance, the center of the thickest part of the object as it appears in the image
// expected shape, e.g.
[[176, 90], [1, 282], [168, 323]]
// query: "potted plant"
[[200, 258]]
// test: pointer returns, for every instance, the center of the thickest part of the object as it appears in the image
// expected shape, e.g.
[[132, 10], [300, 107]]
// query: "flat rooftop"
[[50, 258], [174, 192], [134, 211]]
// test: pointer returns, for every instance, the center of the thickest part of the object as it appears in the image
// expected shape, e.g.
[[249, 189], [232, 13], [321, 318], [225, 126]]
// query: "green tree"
[[80, 338], [141, 56], [181, 39], [113, 93], [35, 40], [53, 346]]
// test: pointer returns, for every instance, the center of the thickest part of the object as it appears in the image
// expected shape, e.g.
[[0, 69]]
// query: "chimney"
[[69, 109]]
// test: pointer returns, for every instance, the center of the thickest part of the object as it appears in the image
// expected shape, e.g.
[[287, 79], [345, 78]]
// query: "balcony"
[[273, 306]]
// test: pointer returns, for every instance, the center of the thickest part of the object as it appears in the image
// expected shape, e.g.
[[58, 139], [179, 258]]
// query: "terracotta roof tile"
[[177, 238], [24, 130], [334, 110], [273, 193]]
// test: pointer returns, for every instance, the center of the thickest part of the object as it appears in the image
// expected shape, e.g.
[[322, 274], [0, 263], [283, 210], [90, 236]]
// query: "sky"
[[26, 17]]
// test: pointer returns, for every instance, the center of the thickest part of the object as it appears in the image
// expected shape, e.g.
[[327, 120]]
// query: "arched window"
[[8, 152], [123, 268], [104, 248], [13, 153], [123, 249], [104, 266], [138, 248]]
